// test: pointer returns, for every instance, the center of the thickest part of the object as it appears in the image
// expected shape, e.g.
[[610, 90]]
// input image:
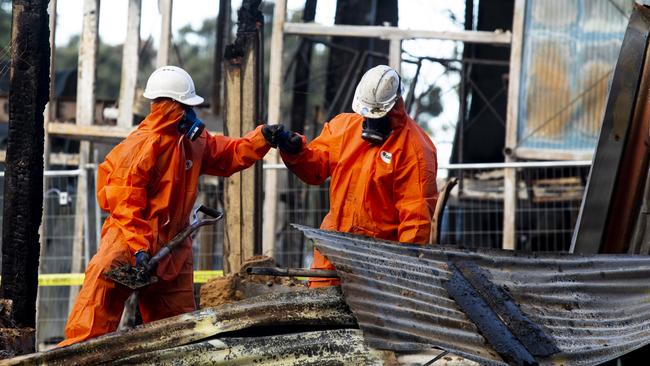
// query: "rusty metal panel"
[[570, 48], [593, 308], [618, 173]]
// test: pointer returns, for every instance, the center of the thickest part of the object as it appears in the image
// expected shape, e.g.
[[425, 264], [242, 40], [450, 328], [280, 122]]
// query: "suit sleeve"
[[312, 164], [122, 192], [223, 156], [416, 195]]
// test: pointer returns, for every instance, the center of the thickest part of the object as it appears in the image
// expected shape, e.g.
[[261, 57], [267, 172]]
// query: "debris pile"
[[238, 333], [239, 286], [13, 341]]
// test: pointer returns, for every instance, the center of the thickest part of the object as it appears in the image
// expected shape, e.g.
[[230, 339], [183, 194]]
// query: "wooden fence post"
[[129, 65], [243, 95], [510, 174], [162, 58], [85, 116], [275, 92]]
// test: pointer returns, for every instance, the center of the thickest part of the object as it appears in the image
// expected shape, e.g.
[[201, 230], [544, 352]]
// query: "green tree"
[[5, 29], [109, 65], [194, 51]]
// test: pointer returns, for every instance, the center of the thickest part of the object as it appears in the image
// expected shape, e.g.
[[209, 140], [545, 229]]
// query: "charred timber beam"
[[222, 32], [23, 190], [537, 342], [487, 321]]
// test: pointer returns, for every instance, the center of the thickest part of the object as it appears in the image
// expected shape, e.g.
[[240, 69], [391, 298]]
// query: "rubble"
[[276, 312], [13, 341], [239, 286]]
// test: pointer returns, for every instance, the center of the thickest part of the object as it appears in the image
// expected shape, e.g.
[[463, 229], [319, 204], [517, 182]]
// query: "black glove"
[[141, 258], [272, 133], [290, 142]]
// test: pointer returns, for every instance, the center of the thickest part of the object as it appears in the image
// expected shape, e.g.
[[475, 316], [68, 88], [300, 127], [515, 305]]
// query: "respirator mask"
[[190, 125], [376, 130]]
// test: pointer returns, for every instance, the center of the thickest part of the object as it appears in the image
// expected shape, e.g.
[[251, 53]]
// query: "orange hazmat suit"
[[148, 185], [383, 191]]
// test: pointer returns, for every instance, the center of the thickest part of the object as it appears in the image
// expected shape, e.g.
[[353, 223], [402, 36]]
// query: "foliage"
[[5, 29], [195, 53], [427, 105], [109, 64]]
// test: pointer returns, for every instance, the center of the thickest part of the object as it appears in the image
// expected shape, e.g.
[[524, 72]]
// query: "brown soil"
[[239, 286]]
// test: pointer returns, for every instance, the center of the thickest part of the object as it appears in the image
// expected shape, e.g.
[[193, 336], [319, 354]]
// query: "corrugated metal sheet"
[[594, 308], [330, 347], [570, 48], [310, 308]]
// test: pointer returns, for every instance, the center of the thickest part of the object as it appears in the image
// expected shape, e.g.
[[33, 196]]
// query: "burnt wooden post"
[[243, 73], [23, 191]]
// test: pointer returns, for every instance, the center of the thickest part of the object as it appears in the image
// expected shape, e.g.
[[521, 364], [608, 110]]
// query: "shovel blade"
[[131, 277]]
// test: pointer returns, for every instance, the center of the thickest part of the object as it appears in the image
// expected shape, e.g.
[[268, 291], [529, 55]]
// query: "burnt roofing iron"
[[309, 308], [329, 347], [592, 308]]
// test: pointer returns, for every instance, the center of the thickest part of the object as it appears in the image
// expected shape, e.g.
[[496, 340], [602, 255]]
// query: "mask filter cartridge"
[[190, 125], [376, 130]]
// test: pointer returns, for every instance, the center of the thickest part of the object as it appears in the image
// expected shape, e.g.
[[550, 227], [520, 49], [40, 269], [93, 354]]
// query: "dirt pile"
[[239, 286]]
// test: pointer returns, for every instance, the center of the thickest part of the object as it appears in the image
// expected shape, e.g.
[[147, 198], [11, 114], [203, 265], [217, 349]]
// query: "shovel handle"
[[210, 212], [180, 237]]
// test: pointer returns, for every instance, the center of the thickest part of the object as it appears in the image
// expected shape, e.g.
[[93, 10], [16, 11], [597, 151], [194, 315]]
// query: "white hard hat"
[[377, 92], [172, 82]]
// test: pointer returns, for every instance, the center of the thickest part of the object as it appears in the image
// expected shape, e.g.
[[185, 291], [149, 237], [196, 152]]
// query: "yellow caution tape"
[[205, 276], [60, 279], [76, 279]]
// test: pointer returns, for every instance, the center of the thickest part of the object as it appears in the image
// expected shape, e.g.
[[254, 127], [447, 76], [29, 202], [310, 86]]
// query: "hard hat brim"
[[368, 111], [195, 100]]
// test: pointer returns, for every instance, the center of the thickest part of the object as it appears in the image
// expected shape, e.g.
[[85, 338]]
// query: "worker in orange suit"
[[381, 163], [148, 185]]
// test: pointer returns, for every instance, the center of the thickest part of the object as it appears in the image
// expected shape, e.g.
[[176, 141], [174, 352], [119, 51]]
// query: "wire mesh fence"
[[547, 204], [548, 199]]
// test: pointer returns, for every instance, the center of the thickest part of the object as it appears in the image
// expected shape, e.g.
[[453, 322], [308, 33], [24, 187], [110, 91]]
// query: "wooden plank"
[[130, 58], [88, 132], [54, 158], [395, 54], [232, 254], [553, 154], [275, 91], [510, 177], [313, 29], [162, 58], [111, 134], [85, 114], [249, 177]]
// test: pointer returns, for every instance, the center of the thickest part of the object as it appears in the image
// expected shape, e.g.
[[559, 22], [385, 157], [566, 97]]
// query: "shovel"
[[136, 278]]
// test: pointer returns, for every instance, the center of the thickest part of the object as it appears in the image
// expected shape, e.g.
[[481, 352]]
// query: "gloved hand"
[[272, 133], [290, 142], [141, 258]]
